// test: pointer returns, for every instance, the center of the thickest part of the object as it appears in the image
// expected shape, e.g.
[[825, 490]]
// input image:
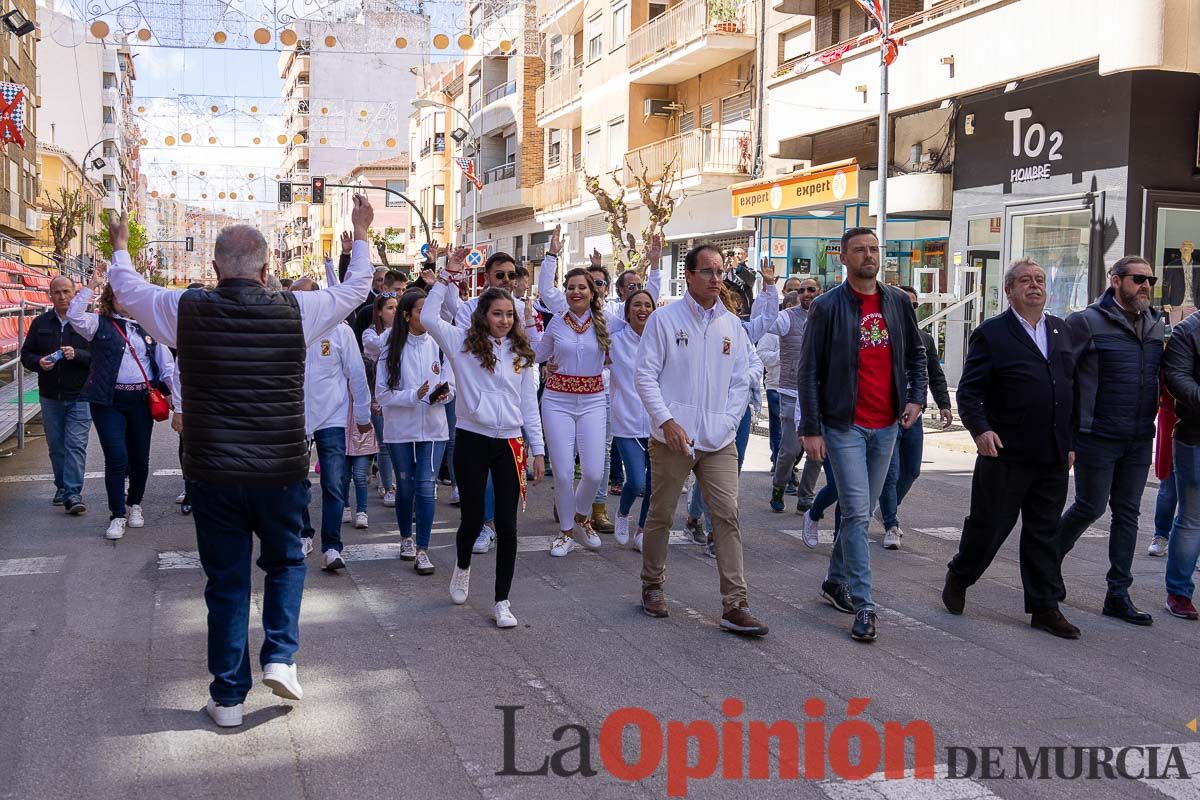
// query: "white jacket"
[[694, 367], [333, 361], [628, 413], [405, 417], [495, 404], [768, 352]]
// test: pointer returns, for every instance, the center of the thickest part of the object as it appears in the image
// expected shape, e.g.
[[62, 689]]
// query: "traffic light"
[[285, 191], [189, 244], [318, 190]]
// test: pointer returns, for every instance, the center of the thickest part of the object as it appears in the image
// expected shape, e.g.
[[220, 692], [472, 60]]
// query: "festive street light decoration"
[[287, 37], [100, 29], [143, 35], [219, 37], [441, 41], [262, 36]]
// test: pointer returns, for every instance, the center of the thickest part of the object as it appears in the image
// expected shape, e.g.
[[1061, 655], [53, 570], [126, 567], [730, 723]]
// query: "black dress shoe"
[[1052, 621], [954, 594], [863, 629], [1123, 609]]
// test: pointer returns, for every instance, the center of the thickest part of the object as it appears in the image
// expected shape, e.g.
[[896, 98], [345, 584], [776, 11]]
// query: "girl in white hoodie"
[[413, 383], [497, 385]]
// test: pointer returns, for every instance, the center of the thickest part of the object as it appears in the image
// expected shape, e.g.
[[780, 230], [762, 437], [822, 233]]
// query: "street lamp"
[[97, 163], [461, 135]]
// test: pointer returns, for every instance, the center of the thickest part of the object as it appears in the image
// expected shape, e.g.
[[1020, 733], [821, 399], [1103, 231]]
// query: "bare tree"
[[67, 212]]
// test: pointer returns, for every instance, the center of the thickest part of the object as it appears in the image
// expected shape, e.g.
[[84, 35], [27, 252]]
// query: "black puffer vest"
[[241, 370]]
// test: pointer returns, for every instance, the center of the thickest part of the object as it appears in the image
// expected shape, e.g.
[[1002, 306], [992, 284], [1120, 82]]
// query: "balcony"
[[558, 193], [501, 173], [559, 101], [559, 16], [503, 90], [686, 40], [704, 158]]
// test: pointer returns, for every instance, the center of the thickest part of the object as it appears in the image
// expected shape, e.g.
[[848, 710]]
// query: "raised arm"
[[155, 308], [654, 257], [763, 311], [83, 321], [448, 337], [321, 311], [552, 297], [373, 343], [331, 276]]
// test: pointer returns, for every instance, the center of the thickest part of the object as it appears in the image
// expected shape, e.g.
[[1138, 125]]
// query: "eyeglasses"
[[1140, 279], [632, 287], [708, 274], [807, 289], [512, 276]]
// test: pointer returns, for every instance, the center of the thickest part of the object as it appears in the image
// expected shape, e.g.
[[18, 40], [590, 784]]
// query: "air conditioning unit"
[[658, 108]]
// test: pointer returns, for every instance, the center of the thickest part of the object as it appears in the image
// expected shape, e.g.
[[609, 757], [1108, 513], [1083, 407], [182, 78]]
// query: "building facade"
[[60, 173], [18, 165]]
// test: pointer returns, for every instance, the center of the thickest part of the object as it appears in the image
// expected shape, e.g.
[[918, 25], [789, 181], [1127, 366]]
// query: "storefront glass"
[[1060, 242], [1176, 261]]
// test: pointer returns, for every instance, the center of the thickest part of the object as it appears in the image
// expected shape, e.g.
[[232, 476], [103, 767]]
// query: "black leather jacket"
[[828, 383]]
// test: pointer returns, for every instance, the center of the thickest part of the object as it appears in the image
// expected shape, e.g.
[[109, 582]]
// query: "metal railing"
[[19, 371], [500, 173], [560, 91], [503, 90], [699, 151], [679, 26]]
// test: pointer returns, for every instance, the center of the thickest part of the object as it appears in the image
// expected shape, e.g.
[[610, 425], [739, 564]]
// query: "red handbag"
[[160, 410]]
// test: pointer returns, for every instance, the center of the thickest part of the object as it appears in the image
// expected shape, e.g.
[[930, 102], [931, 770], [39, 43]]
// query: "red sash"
[[520, 457]]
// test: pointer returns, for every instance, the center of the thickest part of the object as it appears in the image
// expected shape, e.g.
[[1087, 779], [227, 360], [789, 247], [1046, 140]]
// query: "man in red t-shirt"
[[862, 372]]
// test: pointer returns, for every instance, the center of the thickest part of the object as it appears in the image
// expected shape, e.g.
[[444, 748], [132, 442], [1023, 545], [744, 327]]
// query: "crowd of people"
[[501, 390]]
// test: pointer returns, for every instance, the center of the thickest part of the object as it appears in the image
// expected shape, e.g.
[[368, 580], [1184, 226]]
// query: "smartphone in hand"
[[438, 394]]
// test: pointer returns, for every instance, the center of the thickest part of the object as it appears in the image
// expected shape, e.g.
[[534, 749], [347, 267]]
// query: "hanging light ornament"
[[262, 36], [401, 42], [330, 41], [100, 29], [441, 41], [287, 37], [169, 141], [466, 41], [219, 37], [143, 35]]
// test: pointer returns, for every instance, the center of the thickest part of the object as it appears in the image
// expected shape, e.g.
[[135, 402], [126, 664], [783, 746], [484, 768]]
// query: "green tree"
[[138, 238], [387, 242]]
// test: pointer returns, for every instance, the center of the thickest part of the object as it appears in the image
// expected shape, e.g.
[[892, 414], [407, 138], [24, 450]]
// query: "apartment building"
[[166, 222], [635, 87], [18, 165], [1020, 129], [393, 245], [435, 183], [203, 225]]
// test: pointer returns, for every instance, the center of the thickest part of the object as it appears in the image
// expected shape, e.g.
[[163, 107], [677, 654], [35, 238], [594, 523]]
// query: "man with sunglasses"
[[1120, 341], [789, 327]]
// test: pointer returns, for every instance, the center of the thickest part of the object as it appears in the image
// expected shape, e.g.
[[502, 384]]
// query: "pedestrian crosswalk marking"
[[823, 537], [43, 565]]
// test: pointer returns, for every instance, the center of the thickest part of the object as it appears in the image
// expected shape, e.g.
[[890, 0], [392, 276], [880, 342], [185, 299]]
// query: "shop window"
[[1061, 242], [1176, 260]]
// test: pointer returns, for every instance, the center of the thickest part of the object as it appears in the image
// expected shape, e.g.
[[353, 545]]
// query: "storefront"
[[1074, 171]]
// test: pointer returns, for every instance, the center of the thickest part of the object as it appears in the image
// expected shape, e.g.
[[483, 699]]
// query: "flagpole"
[[884, 138]]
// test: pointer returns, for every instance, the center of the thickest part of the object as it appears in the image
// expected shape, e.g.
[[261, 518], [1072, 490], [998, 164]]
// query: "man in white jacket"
[[693, 377]]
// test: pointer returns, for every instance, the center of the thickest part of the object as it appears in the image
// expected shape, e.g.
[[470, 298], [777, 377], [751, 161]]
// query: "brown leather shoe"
[[740, 620], [654, 602], [1052, 621], [600, 521], [954, 594]]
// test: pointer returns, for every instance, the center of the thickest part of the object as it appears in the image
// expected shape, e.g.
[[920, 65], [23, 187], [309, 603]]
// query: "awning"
[[817, 186]]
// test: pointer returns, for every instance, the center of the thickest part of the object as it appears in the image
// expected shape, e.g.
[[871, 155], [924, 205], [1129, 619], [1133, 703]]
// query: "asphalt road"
[[102, 660]]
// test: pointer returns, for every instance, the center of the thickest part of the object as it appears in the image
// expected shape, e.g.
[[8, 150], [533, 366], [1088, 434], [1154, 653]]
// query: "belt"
[[130, 387], [575, 384]]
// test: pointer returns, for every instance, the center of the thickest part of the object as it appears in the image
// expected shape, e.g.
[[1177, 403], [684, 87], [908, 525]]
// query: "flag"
[[889, 45], [467, 165], [12, 113]]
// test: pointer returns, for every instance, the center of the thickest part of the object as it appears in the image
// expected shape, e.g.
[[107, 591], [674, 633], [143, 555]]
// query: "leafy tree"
[[67, 212], [386, 242], [138, 238]]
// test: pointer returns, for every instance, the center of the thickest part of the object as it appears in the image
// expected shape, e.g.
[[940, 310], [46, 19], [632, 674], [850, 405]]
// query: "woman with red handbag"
[[128, 387]]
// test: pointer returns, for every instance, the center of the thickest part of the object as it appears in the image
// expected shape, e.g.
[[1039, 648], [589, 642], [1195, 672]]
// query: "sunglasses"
[[807, 290], [600, 283], [1140, 279], [631, 287], [389, 294], [512, 276]]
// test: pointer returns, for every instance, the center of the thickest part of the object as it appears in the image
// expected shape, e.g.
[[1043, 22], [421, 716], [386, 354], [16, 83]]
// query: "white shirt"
[[373, 344], [628, 413], [332, 362], [407, 418], [157, 309], [693, 367], [1038, 334], [494, 404], [768, 353], [555, 299], [87, 323], [573, 353]]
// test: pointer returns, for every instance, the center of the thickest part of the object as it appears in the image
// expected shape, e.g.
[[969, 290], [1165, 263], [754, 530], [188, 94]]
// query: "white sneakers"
[[224, 716], [306, 545], [454, 498], [282, 681], [408, 549], [389, 498], [504, 615], [1158, 547], [812, 529], [182, 496], [484, 541], [116, 528], [334, 561], [423, 565], [563, 545], [360, 520], [891, 538], [460, 584], [134, 517], [347, 515], [621, 529], [637, 540], [591, 539]]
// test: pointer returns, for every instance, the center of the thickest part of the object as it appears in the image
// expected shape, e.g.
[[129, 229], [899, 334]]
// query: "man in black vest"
[[245, 455], [1016, 396]]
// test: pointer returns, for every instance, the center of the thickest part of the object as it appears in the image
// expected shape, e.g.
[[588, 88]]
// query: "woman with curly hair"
[[496, 380], [126, 364], [574, 406]]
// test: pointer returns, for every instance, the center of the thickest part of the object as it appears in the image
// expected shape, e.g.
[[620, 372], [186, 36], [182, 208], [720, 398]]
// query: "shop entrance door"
[[991, 280], [1059, 235]]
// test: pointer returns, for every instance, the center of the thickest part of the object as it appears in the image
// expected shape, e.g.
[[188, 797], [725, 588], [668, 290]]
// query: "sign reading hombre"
[[800, 190]]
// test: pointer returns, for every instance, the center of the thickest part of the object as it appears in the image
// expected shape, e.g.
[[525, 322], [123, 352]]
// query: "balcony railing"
[[500, 173], [503, 90], [561, 90], [559, 192], [700, 151], [680, 26]]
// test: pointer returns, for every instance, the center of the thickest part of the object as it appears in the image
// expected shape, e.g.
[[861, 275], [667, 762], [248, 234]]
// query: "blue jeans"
[[1184, 547], [636, 461], [359, 468], [451, 418], [66, 423], [602, 492], [741, 440], [1164, 506], [416, 478], [827, 497], [773, 425], [331, 454], [616, 468], [903, 473], [860, 458], [124, 430], [386, 477], [227, 518]]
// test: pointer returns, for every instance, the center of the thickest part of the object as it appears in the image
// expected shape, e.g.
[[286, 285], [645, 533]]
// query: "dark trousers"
[[1000, 490], [1109, 472], [476, 457], [227, 519], [124, 430]]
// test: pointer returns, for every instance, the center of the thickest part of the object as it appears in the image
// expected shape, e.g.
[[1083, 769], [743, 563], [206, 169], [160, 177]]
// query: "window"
[[396, 186], [110, 80], [439, 206], [554, 148], [620, 25], [110, 114], [595, 39], [110, 151], [110, 183], [1061, 242], [706, 116], [556, 55], [795, 43], [591, 150], [616, 143], [841, 24], [735, 112], [687, 122]]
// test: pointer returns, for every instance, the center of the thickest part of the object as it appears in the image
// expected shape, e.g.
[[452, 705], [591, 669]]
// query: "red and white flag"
[[889, 45], [467, 165]]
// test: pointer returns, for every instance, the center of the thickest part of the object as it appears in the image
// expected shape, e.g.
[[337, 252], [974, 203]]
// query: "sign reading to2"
[[1035, 138]]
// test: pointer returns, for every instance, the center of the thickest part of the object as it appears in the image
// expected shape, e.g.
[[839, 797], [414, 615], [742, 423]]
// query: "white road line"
[[44, 565], [1177, 789], [37, 478], [823, 537], [953, 534]]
